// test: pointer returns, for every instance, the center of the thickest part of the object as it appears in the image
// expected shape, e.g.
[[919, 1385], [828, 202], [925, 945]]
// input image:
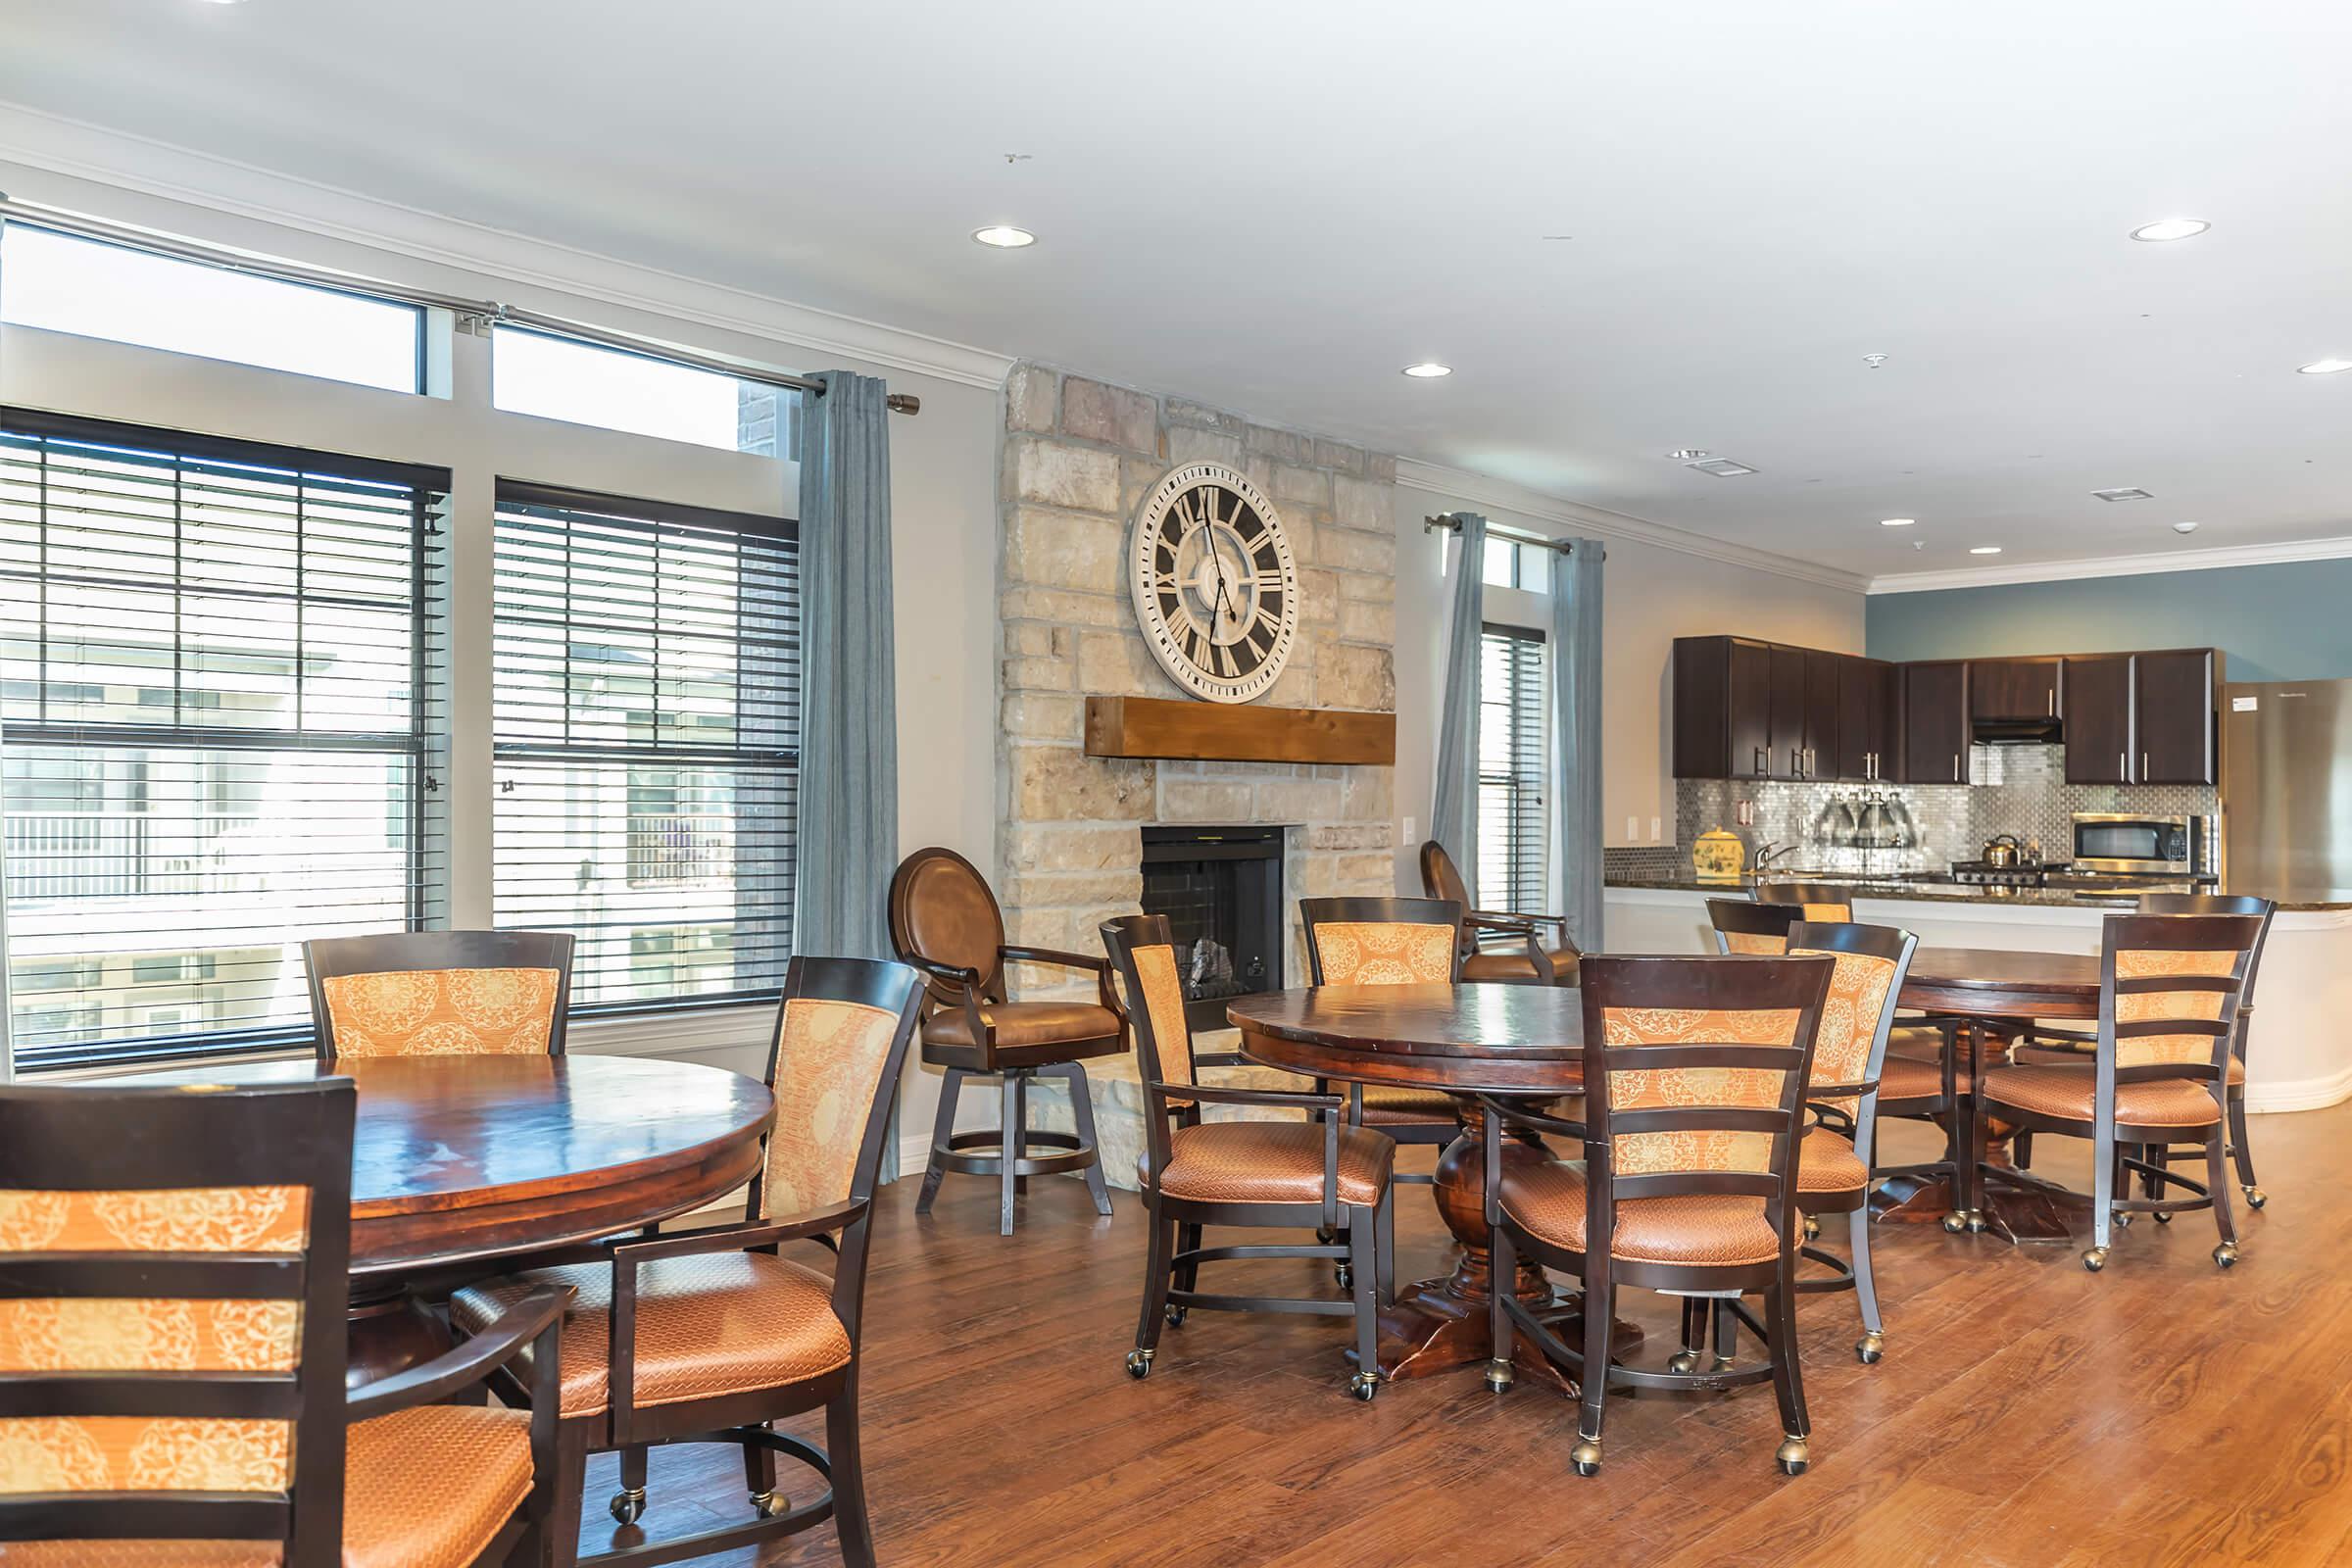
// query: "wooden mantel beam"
[[1230, 732]]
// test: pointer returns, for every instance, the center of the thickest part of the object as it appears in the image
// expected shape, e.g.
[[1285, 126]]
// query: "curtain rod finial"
[[903, 403]]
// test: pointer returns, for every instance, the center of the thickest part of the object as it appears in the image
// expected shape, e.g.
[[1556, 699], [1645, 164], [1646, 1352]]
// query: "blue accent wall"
[[2286, 621]]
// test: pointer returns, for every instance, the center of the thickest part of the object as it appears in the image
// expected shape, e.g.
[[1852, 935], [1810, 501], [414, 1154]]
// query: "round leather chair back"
[[942, 911]]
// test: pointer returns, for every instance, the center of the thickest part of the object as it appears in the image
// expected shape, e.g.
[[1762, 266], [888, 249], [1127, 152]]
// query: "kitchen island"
[[2298, 1057]]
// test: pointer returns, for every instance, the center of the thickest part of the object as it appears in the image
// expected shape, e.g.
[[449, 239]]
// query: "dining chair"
[[1377, 942], [1268, 1174], [946, 923], [2170, 987], [709, 1334], [1504, 947], [440, 993], [1752, 928], [173, 1263], [1693, 1076], [1820, 902]]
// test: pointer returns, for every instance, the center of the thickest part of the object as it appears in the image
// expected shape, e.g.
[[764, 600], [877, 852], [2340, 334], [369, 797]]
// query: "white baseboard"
[[2299, 1093]]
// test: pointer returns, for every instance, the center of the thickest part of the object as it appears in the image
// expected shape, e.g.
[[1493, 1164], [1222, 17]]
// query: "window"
[[584, 383], [221, 726], [647, 729], [1512, 868], [66, 284], [1517, 564]]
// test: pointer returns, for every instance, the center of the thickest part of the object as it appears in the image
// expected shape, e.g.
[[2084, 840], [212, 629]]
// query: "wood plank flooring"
[[2027, 1413]]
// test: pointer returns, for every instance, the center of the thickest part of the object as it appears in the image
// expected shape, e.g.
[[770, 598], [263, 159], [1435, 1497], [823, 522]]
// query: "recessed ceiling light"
[[1721, 468], [1687, 454], [1984, 549], [1004, 237], [2164, 229], [2325, 367], [2185, 527], [1428, 371], [1896, 522], [2127, 493]]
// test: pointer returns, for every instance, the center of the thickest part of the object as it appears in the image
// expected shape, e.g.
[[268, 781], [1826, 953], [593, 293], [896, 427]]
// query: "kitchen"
[[2012, 801]]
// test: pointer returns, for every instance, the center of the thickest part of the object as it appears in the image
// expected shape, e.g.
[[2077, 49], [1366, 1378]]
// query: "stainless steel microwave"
[[2137, 842]]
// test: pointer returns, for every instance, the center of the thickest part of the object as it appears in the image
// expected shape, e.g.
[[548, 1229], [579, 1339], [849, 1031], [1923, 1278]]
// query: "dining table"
[[462, 1165], [1994, 996], [1460, 1040]]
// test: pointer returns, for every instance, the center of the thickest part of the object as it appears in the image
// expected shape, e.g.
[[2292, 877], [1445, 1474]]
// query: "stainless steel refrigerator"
[[2286, 787]]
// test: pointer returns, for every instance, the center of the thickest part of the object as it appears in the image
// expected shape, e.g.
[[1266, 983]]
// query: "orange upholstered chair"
[[440, 993], [1378, 941]]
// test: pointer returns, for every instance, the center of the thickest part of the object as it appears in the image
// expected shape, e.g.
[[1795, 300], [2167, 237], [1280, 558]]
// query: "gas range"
[[1979, 873]]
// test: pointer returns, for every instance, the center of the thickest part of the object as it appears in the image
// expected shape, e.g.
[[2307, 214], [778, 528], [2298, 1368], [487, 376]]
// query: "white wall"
[[1651, 594]]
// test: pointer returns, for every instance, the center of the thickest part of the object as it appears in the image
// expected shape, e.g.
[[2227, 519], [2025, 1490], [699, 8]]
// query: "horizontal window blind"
[[222, 722], [647, 731], [1512, 871]]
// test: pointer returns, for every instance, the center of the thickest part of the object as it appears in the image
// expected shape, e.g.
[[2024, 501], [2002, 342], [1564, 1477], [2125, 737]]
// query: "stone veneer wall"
[[1078, 455]]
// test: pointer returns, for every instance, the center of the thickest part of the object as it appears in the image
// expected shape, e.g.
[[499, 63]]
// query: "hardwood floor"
[[2026, 1414]]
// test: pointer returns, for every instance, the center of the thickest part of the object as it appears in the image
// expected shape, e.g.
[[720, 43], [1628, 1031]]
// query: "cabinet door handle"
[[2051, 702], [1955, 768], [2123, 768], [2144, 767]]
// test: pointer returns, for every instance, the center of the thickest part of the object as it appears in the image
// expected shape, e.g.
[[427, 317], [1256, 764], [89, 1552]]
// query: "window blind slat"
[[1512, 847]]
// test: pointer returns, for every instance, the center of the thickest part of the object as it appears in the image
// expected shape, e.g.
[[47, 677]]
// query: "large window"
[[66, 284], [647, 718], [221, 717], [585, 384], [1512, 872]]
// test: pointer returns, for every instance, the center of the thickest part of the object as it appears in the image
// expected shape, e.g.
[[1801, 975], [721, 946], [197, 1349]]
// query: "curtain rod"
[[487, 312], [1451, 522]]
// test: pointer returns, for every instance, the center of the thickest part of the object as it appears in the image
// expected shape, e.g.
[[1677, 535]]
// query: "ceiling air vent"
[[2127, 493], [1721, 468]]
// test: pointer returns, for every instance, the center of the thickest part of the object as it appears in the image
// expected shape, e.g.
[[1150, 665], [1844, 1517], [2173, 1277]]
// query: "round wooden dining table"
[[458, 1162], [1996, 995], [1458, 1040]]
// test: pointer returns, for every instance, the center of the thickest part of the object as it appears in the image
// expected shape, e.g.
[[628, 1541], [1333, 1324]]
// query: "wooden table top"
[[1460, 1039], [1996, 982], [463, 1157]]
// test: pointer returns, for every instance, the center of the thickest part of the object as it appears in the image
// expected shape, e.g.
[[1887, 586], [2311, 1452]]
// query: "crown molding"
[[50, 143], [2221, 556], [1462, 484]]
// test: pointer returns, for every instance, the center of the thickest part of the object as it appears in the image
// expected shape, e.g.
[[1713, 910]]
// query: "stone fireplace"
[[1221, 891]]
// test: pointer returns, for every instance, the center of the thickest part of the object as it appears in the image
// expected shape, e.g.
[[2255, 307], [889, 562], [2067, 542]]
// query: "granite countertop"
[[1931, 889]]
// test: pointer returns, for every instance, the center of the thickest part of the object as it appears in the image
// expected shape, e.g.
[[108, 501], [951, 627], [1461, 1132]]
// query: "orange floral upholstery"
[[1273, 1162], [1828, 913], [1860, 988], [708, 1324], [1828, 1163], [441, 1013], [428, 1488], [1725, 1230], [1751, 943], [1635, 1154], [2068, 1092], [1383, 952], [2136, 963], [828, 1069], [1162, 1002]]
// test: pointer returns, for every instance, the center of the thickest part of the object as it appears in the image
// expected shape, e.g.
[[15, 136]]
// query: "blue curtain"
[[1576, 733], [1453, 815]]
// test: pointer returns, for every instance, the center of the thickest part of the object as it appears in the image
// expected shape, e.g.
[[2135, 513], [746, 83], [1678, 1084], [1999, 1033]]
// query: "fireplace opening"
[[1221, 890]]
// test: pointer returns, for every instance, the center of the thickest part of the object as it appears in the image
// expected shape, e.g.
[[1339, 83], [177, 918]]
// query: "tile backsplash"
[[2018, 788]]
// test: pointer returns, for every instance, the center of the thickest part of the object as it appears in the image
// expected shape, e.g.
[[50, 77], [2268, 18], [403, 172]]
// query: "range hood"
[[2016, 731]]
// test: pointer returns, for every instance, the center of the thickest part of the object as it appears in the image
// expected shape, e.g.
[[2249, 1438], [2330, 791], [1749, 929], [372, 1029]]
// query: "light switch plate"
[[1653, 829], [1409, 837], [1633, 830]]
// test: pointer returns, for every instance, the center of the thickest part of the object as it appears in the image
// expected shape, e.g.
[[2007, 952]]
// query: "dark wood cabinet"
[[1867, 705], [1821, 712], [2013, 691], [2173, 711], [1935, 733], [2098, 719], [1787, 713], [1722, 707]]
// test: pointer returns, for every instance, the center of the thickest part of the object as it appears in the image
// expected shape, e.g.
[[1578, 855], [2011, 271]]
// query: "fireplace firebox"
[[1221, 890]]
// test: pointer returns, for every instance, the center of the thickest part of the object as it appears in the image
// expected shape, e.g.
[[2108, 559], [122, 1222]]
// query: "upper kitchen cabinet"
[[1867, 705], [2098, 719], [1722, 707], [2017, 697], [1935, 723], [1786, 738], [2172, 704]]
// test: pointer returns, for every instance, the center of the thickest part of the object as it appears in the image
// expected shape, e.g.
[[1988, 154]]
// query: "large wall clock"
[[1216, 588]]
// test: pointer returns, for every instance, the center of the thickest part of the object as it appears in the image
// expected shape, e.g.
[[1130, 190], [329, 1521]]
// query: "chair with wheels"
[[1500, 946]]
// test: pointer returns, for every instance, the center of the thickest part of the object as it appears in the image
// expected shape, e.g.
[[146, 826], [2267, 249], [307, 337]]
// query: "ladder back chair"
[[1330, 1174], [1693, 1077], [174, 1264], [1501, 948], [1378, 941], [1823, 902], [945, 921], [440, 993], [709, 1334]]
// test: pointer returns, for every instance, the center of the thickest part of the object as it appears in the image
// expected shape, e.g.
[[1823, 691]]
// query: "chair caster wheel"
[[1870, 1347], [1812, 1229], [1955, 1222], [2095, 1259], [2163, 1218], [1177, 1315], [1501, 1375], [1586, 1456], [2226, 1255], [629, 1505], [1139, 1364], [1364, 1385], [1791, 1455], [1346, 1277], [2254, 1198], [1683, 1361], [2123, 1222], [767, 1505], [1976, 1222]]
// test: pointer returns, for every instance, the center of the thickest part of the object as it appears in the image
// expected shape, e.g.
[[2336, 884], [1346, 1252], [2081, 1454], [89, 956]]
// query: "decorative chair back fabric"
[[1753, 930], [1143, 949], [2185, 969], [2224, 904], [840, 1037], [1818, 902], [441, 993], [1383, 942], [1871, 962], [173, 1268]]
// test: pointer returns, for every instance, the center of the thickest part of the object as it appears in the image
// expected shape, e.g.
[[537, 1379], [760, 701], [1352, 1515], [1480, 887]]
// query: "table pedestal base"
[[389, 1331]]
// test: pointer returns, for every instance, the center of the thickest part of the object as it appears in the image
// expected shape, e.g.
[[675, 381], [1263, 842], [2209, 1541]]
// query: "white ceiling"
[[1274, 206]]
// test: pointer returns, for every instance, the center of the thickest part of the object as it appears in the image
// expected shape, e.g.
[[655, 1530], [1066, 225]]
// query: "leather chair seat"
[[1920, 1041], [1701, 1229], [1389, 1105], [1025, 1034], [1515, 967], [707, 1325], [2067, 1092], [1828, 1163], [428, 1488], [1903, 1078], [1274, 1163]]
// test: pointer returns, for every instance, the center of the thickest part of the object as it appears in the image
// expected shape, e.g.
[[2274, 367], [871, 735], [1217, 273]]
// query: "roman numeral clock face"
[[1216, 588]]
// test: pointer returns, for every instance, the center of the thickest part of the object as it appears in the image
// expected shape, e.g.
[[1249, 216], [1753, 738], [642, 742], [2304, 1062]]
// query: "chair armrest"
[[474, 1359], [1099, 967], [1505, 1112], [740, 1235], [954, 974], [1282, 1099], [2061, 1040], [1815, 1091], [1220, 1059]]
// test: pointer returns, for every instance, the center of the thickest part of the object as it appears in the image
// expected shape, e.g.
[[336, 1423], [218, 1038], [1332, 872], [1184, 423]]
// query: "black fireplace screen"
[[1221, 890]]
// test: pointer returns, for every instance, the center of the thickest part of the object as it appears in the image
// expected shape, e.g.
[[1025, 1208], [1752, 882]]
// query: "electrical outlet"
[[1409, 837], [1633, 830], [1653, 829]]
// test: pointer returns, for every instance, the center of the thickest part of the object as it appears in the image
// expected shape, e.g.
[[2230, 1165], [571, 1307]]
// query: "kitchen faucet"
[[1769, 851]]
